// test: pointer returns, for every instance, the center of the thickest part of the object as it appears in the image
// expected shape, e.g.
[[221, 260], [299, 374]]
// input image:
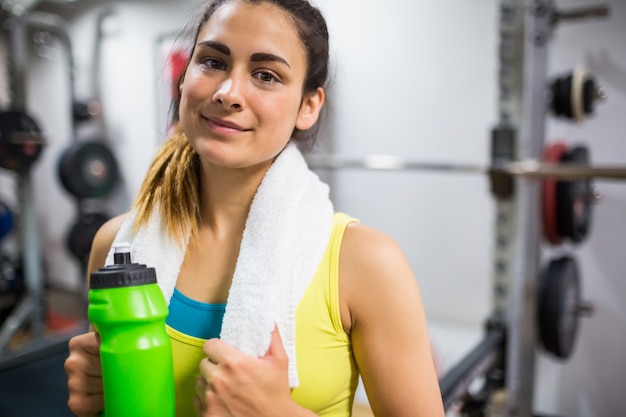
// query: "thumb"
[[276, 349]]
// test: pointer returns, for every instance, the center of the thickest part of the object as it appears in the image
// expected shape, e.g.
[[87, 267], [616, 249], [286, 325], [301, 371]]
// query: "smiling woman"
[[252, 67], [277, 304]]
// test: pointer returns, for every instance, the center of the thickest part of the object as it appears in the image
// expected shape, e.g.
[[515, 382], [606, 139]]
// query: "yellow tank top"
[[326, 368]]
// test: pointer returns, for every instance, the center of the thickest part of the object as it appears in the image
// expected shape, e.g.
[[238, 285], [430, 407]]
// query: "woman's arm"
[[382, 308]]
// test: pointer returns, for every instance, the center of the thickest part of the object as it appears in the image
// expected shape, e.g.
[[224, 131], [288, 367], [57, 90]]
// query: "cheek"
[[195, 87], [281, 108]]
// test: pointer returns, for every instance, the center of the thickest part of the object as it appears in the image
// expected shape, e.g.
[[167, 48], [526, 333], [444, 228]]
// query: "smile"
[[224, 127]]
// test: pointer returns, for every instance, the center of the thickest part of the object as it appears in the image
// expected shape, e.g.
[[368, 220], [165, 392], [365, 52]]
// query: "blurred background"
[[416, 79]]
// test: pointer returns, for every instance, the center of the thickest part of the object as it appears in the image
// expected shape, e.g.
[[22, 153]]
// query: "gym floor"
[[32, 378]]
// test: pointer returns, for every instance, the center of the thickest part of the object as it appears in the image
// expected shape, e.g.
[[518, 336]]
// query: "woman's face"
[[242, 93]]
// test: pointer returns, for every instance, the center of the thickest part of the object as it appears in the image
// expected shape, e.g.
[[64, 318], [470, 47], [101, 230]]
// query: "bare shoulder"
[[373, 269], [103, 240], [372, 255]]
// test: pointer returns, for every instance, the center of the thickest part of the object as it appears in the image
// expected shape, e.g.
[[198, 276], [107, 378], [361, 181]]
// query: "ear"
[[310, 109]]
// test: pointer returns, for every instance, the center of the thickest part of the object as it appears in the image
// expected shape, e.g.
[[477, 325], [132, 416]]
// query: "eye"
[[213, 63], [266, 77]]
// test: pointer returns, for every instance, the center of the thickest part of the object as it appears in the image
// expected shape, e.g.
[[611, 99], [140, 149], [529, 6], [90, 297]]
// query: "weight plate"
[[549, 210], [590, 91], [562, 97], [21, 141], [574, 205], [81, 234], [88, 170], [558, 301]]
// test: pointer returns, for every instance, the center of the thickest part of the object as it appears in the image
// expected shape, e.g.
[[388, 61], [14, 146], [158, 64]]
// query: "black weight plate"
[[21, 141], [88, 170], [559, 296], [589, 95], [562, 97], [81, 234], [574, 205]]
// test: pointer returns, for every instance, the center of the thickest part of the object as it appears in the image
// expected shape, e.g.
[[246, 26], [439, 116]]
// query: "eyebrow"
[[257, 57]]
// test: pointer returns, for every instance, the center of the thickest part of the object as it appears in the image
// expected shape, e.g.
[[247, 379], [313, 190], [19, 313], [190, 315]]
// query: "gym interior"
[[433, 108]]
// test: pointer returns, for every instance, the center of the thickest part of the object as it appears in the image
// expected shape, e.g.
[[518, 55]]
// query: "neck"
[[226, 196]]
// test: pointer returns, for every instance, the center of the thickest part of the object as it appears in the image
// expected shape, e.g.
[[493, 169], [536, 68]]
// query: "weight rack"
[[526, 28], [506, 354]]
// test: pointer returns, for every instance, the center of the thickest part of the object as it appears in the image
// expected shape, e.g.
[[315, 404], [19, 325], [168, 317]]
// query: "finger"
[[85, 386], [87, 342], [215, 406], [198, 406], [206, 369], [89, 406], [201, 388], [217, 351], [83, 363], [276, 348], [80, 368]]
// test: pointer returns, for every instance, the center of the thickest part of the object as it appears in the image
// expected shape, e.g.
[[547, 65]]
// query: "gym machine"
[[541, 191], [525, 31], [22, 143], [87, 169]]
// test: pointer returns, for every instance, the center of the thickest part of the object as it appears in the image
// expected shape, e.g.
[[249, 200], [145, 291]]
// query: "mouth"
[[224, 126]]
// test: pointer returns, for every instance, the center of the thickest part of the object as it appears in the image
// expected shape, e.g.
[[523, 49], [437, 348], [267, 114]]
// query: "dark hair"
[[173, 176]]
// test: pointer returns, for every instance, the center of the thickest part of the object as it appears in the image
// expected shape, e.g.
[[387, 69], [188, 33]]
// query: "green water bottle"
[[127, 308]]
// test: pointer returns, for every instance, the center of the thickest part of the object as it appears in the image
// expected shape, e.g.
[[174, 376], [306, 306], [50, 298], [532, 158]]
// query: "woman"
[[254, 85]]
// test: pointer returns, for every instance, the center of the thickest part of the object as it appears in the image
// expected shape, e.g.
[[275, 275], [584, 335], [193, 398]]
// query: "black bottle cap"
[[123, 273]]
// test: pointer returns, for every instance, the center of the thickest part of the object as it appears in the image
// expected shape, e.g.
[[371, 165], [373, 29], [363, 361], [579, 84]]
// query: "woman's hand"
[[84, 375], [236, 385]]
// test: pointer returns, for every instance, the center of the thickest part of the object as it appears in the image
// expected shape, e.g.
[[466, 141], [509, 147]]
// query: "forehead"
[[258, 27]]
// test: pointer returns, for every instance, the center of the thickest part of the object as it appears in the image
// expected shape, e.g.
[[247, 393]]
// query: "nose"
[[230, 95]]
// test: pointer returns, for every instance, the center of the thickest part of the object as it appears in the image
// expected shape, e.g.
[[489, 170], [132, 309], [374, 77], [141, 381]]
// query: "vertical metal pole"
[[29, 237], [18, 57], [31, 307], [525, 29]]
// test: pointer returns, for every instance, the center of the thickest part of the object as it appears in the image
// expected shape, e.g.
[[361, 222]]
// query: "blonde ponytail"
[[172, 184]]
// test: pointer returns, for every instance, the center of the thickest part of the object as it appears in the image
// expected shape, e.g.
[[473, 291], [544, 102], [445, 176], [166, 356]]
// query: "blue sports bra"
[[195, 318]]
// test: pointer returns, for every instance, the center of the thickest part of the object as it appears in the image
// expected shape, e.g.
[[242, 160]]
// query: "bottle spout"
[[121, 253]]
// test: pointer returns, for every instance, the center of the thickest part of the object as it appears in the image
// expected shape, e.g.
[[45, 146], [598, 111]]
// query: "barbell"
[[564, 173], [529, 168]]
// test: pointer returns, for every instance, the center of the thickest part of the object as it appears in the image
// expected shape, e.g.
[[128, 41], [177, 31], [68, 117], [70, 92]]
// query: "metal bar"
[[532, 169], [31, 253], [521, 335], [583, 13], [16, 319], [538, 170], [17, 61], [32, 351], [389, 163], [535, 170], [482, 358]]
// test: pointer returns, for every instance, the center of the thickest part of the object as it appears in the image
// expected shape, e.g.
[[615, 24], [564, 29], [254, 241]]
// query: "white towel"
[[285, 237]]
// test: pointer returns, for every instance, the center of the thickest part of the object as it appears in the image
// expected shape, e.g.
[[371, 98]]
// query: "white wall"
[[411, 78]]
